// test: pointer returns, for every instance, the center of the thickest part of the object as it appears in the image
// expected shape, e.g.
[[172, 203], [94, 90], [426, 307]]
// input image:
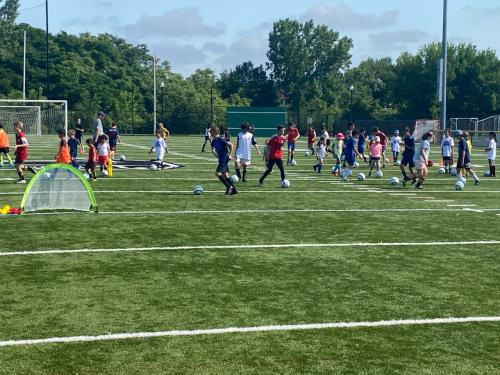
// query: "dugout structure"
[[264, 119]]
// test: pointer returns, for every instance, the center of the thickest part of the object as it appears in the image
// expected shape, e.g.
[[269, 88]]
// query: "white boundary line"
[[261, 246], [270, 328]]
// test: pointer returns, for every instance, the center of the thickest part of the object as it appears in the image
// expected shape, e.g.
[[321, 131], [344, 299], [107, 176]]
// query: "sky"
[[219, 34]]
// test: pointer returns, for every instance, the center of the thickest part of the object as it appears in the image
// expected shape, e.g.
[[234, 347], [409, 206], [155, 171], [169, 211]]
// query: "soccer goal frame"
[[456, 121], [39, 115]]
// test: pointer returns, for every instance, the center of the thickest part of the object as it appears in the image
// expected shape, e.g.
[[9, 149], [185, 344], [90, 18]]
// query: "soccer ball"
[[122, 158], [356, 164], [441, 170], [453, 172], [153, 167], [486, 173], [293, 162], [394, 181], [104, 173], [361, 177], [459, 185], [87, 176], [234, 179], [47, 176], [198, 190], [307, 153], [379, 174], [398, 163], [462, 180], [285, 184]]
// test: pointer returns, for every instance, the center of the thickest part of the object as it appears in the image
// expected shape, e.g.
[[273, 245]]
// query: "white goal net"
[[41, 119]]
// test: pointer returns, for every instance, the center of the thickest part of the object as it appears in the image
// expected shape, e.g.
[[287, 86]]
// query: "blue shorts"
[[408, 161], [350, 159], [291, 146], [223, 166], [361, 150]]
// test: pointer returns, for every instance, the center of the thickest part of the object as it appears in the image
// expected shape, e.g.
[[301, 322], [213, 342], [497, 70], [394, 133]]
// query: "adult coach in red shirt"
[[292, 135], [383, 142], [275, 154]]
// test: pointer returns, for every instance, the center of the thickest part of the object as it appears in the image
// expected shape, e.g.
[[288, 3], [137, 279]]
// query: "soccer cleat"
[[233, 191], [20, 181], [413, 181], [261, 183], [32, 170], [419, 187], [228, 189], [404, 181], [476, 182], [314, 168], [243, 180]]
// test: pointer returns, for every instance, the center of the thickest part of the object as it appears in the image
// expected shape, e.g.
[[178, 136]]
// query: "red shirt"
[[383, 138], [92, 154], [275, 144], [21, 152], [311, 135], [292, 134]]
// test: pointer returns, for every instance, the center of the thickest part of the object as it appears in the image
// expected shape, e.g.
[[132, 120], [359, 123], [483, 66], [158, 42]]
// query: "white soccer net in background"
[[41, 118]]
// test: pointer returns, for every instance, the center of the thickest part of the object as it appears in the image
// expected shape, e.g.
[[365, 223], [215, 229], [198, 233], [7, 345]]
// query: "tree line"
[[309, 71]]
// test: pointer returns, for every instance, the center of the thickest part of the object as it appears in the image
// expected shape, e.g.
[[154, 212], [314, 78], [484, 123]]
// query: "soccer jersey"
[[113, 135], [396, 143], [292, 134], [244, 145], [492, 152], [321, 150], [361, 143], [73, 147], [4, 139], [409, 146], [159, 145], [424, 149], [103, 149], [349, 149], [78, 132], [98, 129], [275, 144], [21, 152], [463, 150], [311, 136], [338, 147], [63, 156], [92, 154], [376, 150], [446, 146]]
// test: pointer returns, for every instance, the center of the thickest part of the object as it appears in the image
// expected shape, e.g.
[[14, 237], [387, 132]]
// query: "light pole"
[[444, 63], [351, 89], [162, 85], [212, 101]]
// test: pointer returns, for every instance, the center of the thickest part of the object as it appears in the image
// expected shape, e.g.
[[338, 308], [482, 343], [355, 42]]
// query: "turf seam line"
[[257, 246], [256, 329]]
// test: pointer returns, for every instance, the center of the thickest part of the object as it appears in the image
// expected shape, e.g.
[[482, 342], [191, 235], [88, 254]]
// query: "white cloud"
[[398, 40], [250, 47], [177, 23], [92, 23], [341, 17]]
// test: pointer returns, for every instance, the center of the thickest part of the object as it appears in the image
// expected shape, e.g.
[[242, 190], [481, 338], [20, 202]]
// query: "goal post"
[[42, 119]]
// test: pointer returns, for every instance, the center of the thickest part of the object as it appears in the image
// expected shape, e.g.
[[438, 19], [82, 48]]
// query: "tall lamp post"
[[212, 101], [443, 70], [351, 89], [162, 86]]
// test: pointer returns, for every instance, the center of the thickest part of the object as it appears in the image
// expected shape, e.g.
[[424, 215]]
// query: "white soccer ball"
[[153, 167], [104, 173], [307, 153], [234, 179], [122, 158], [285, 184], [459, 185], [463, 180], [398, 163], [356, 164], [47, 176], [361, 177], [394, 181], [87, 176], [442, 170], [198, 190], [379, 174], [486, 173], [453, 172], [293, 162]]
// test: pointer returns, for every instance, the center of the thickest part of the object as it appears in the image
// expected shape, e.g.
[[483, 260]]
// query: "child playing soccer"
[[21, 152], [4, 146], [73, 144], [361, 144], [114, 138], [350, 153], [421, 159], [159, 146], [320, 154], [90, 166], [338, 149], [383, 142], [311, 138], [492, 153], [79, 130], [375, 155], [63, 155], [463, 159], [222, 149], [103, 152], [244, 143], [275, 154], [395, 146], [292, 135], [408, 154], [447, 150]]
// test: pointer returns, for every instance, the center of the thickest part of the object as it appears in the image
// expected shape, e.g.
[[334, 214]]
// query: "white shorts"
[[160, 155], [243, 161], [419, 164]]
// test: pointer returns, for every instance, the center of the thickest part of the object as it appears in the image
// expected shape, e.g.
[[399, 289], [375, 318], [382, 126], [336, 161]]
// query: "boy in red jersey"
[[311, 137], [90, 166], [383, 142], [21, 152], [292, 135], [275, 154]]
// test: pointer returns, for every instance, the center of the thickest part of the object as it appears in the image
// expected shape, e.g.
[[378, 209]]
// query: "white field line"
[[271, 328], [258, 247], [473, 210], [462, 205]]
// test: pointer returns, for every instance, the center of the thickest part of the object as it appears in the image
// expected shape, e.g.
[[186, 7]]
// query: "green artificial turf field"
[[322, 251]]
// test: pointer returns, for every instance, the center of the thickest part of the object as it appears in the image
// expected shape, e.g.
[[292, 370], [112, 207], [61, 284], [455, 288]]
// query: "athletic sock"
[[223, 180], [494, 171], [405, 176], [238, 173], [474, 176], [244, 173], [21, 176], [319, 168]]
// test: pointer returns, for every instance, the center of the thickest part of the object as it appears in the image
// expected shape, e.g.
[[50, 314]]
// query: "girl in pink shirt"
[[375, 155]]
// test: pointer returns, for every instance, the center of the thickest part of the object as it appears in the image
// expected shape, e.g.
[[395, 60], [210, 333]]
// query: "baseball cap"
[[101, 113]]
